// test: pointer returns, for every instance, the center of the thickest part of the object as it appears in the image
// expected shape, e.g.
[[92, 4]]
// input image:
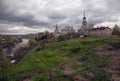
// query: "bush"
[[5, 78], [32, 42], [4, 64], [75, 49], [1, 51]]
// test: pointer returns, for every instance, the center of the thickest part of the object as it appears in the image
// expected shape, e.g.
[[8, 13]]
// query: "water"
[[16, 47]]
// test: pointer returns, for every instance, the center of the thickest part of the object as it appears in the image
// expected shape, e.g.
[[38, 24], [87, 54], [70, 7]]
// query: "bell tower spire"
[[84, 13], [56, 31], [83, 29], [84, 19]]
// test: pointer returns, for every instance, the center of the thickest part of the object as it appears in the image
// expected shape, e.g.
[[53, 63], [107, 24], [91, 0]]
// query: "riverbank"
[[12, 51], [15, 47]]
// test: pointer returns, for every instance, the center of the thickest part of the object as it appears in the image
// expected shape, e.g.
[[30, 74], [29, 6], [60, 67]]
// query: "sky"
[[32, 16]]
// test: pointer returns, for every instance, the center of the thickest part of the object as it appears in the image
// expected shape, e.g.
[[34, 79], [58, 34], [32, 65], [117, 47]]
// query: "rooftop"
[[100, 28]]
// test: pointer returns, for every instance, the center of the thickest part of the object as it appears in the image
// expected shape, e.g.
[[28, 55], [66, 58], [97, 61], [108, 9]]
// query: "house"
[[67, 30], [100, 32]]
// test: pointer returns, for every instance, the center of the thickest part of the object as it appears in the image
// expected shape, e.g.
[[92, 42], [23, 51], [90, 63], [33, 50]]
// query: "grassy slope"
[[55, 55], [49, 57]]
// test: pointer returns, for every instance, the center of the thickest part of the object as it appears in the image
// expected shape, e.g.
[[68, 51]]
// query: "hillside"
[[80, 59]]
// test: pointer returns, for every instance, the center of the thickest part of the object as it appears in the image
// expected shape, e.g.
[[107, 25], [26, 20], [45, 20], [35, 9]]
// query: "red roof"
[[99, 28]]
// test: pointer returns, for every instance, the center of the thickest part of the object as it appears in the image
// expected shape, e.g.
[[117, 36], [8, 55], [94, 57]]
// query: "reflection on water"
[[12, 50], [17, 46]]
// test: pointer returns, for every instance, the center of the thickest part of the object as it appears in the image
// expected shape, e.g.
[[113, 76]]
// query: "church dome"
[[84, 17]]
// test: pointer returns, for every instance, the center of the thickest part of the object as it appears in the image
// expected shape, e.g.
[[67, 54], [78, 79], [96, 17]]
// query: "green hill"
[[72, 60]]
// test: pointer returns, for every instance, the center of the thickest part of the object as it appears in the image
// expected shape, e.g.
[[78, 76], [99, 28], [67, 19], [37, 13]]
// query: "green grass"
[[41, 77], [45, 60], [95, 60], [38, 60]]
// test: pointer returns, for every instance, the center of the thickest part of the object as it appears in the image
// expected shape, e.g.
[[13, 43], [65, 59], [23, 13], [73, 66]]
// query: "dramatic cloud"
[[32, 16]]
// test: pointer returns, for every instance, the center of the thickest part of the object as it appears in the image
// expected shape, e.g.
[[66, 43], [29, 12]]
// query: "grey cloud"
[[38, 13], [14, 16], [113, 5], [57, 16]]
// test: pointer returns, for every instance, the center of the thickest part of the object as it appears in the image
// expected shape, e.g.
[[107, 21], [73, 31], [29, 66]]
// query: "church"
[[89, 30], [65, 30], [85, 26], [56, 32], [85, 30]]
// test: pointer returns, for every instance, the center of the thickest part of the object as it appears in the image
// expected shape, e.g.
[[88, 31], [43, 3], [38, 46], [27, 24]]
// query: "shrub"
[[4, 78], [75, 49]]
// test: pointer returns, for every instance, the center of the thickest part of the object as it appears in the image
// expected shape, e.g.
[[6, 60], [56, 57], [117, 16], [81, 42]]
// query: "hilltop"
[[78, 59]]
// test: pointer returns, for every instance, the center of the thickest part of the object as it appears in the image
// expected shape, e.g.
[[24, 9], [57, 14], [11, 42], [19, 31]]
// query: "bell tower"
[[56, 31], [83, 29], [84, 22]]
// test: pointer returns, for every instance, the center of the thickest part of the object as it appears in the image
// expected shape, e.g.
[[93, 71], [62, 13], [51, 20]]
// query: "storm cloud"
[[32, 16]]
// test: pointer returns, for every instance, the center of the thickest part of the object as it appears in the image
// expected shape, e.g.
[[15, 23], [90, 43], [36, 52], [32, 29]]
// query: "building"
[[85, 26], [67, 30], [90, 26], [56, 32], [100, 32]]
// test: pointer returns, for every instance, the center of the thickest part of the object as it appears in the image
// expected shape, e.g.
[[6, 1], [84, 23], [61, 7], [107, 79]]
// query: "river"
[[17, 46]]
